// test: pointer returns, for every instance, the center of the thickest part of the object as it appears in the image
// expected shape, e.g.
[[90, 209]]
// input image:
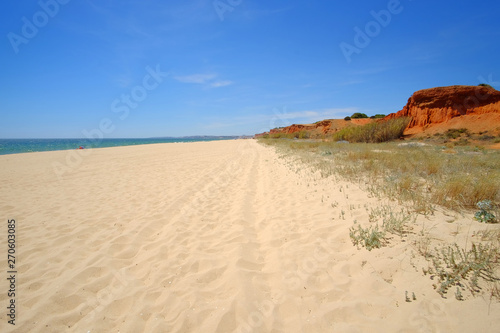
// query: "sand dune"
[[207, 237]]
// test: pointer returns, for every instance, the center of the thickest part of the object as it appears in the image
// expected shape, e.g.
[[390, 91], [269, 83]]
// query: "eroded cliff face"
[[431, 110], [439, 105], [323, 127]]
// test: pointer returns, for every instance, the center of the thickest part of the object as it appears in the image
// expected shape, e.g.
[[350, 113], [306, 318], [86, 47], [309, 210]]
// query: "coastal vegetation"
[[358, 115], [430, 162], [373, 132], [376, 131], [423, 176]]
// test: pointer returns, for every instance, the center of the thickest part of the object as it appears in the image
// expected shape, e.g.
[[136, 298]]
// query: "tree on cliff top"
[[486, 85], [358, 115]]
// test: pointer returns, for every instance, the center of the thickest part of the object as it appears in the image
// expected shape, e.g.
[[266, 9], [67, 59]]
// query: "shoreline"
[[99, 147]]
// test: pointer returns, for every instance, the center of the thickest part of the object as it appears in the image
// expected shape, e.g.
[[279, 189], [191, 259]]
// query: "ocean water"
[[16, 146]]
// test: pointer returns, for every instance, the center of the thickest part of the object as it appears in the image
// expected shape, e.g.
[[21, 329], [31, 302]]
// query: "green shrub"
[[282, 135], [375, 132], [454, 133], [358, 115], [303, 135], [486, 85], [461, 142], [486, 137], [347, 118]]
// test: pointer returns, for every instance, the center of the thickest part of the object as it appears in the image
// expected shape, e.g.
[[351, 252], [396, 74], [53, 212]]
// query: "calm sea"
[[15, 146]]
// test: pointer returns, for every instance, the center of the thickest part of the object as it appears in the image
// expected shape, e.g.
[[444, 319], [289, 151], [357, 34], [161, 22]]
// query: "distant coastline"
[[18, 146]]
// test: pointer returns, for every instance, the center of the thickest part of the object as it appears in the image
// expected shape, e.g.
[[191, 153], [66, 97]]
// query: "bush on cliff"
[[486, 85], [358, 115], [381, 131]]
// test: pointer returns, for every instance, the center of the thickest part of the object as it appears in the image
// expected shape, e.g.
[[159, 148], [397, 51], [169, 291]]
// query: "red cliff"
[[319, 128], [464, 106]]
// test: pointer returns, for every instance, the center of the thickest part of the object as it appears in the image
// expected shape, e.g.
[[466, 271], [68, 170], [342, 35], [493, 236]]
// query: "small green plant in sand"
[[398, 223], [375, 236], [458, 295], [454, 266], [484, 214], [370, 238]]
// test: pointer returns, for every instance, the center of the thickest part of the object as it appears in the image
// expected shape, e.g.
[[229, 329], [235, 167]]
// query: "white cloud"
[[218, 84], [205, 79], [350, 82], [196, 78]]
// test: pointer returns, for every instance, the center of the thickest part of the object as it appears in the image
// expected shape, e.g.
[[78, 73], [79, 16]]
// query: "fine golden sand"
[[208, 237]]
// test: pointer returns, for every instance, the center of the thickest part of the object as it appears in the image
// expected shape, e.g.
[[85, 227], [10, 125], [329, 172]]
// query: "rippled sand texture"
[[206, 237]]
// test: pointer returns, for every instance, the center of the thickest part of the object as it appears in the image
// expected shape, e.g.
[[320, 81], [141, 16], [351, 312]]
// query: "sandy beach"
[[222, 236]]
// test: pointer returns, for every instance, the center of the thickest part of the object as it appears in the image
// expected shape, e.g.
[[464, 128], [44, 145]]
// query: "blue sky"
[[145, 68]]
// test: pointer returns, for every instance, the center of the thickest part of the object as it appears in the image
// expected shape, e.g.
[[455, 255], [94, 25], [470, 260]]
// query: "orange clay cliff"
[[433, 110]]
